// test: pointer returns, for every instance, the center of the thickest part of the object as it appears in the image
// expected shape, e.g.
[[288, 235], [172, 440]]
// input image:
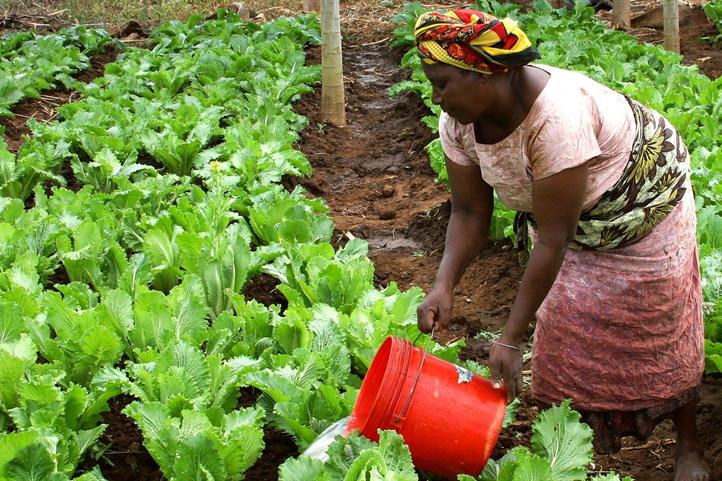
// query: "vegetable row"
[[713, 10], [129, 229], [31, 63]]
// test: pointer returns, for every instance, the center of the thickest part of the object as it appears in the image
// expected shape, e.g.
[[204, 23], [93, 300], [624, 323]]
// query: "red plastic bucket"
[[449, 418]]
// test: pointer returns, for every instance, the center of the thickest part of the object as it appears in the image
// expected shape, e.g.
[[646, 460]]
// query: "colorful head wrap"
[[473, 40]]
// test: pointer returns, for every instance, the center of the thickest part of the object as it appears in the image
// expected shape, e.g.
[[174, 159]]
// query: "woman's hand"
[[557, 203], [435, 311], [506, 369]]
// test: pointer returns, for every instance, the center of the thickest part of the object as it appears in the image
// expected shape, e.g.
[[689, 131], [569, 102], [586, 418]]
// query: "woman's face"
[[462, 94]]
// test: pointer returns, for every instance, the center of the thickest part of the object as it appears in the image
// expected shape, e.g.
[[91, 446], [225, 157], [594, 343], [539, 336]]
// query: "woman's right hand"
[[435, 311]]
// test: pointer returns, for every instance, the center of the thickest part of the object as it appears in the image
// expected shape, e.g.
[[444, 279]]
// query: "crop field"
[[196, 270]]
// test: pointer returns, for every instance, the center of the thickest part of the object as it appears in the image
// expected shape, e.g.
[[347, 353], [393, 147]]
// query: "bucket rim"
[[380, 404]]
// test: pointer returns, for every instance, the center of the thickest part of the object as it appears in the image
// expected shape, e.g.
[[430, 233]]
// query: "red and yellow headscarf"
[[472, 40]]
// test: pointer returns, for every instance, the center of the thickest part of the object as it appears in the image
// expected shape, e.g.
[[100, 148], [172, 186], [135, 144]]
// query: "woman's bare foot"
[[690, 462], [690, 465]]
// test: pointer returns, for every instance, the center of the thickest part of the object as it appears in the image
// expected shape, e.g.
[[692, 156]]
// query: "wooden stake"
[[671, 25], [332, 93], [620, 14]]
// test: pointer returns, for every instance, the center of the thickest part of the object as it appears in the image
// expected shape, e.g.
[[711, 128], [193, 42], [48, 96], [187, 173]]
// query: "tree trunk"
[[671, 25], [333, 108], [311, 5], [620, 14]]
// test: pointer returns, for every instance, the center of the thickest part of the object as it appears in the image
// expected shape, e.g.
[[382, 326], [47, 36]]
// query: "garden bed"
[[375, 177]]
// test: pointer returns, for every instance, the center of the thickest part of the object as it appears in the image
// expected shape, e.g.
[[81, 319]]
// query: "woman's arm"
[[557, 203], [472, 204]]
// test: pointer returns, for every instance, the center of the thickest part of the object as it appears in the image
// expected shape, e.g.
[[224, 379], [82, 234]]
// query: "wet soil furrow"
[[375, 176]]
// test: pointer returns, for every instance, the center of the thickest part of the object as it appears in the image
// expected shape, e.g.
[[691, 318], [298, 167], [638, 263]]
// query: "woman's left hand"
[[557, 203], [506, 369]]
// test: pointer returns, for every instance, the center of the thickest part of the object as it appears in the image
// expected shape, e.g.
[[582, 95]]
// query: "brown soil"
[[43, 109], [279, 447], [248, 398], [654, 460], [126, 459], [263, 288], [696, 51], [20, 19]]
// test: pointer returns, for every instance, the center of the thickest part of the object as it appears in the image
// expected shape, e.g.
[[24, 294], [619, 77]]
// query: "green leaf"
[[15, 358], [84, 439], [76, 400], [530, 467], [241, 447], [510, 414], [560, 436], [302, 469], [343, 452], [610, 477], [11, 322], [94, 475], [198, 458], [35, 463], [12, 444], [390, 461], [292, 333], [160, 431], [190, 311], [101, 344], [153, 321], [117, 306]]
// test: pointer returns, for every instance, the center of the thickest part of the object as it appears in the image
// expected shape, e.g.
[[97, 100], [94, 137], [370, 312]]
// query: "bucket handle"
[[405, 408]]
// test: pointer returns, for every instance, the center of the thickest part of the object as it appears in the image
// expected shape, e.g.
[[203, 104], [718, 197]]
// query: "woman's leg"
[[690, 462]]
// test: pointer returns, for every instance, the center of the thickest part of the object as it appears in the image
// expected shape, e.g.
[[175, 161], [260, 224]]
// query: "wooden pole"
[[333, 104], [671, 25], [620, 14]]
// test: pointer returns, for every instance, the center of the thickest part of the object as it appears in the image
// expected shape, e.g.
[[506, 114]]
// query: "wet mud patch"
[[429, 228], [370, 168]]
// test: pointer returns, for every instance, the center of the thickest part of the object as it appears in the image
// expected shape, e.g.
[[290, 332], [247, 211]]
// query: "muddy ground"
[[375, 177]]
